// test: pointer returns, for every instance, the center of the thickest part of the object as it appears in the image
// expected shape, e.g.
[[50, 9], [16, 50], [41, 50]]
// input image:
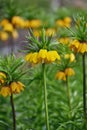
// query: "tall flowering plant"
[[42, 51], [65, 69], [79, 45], [10, 79]]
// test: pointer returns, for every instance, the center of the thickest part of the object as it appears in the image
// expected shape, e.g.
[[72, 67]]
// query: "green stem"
[[13, 112], [68, 92], [45, 97], [84, 85]]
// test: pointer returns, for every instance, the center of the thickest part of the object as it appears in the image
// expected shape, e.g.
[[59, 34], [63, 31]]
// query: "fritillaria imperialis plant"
[[10, 79], [79, 45], [65, 68], [41, 50]]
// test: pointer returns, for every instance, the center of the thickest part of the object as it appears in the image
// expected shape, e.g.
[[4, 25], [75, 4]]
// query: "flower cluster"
[[14, 87], [42, 51], [78, 46], [66, 22], [43, 56], [7, 29], [65, 66], [63, 74]]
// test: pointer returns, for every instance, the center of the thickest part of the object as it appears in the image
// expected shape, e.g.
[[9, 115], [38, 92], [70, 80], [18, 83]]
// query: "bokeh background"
[[42, 9]]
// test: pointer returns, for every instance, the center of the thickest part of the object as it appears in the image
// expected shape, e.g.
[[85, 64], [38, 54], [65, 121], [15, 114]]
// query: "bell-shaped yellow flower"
[[26, 23], [79, 47], [28, 56], [69, 72], [36, 33], [64, 40], [52, 56], [71, 57], [61, 75], [50, 32], [67, 19], [2, 77], [5, 91], [4, 22], [42, 55], [4, 36], [16, 87], [35, 23], [34, 58], [8, 27], [60, 23], [18, 21]]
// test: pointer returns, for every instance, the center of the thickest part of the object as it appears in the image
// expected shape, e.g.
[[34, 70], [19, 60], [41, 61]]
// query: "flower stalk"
[[68, 92], [45, 97], [84, 85], [13, 111]]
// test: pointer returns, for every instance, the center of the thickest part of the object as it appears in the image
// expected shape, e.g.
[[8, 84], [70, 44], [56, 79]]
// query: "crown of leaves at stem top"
[[80, 30], [34, 44], [11, 66]]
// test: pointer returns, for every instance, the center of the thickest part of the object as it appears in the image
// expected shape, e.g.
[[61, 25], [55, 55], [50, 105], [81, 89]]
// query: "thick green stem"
[[45, 97], [68, 93], [84, 85], [13, 112]]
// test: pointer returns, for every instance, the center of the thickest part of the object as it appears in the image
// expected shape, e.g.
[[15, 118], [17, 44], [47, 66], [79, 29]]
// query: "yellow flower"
[[4, 22], [75, 44], [65, 22], [79, 47], [70, 56], [82, 47], [5, 91], [28, 56], [61, 75], [26, 23], [67, 19], [64, 40], [34, 58], [36, 33], [60, 23], [20, 86], [42, 55], [13, 86], [50, 32], [18, 21], [67, 56], [16, 87], [8, 27], [2, 77], [4, 36], [35, 23], [69, 72], [52, 56]]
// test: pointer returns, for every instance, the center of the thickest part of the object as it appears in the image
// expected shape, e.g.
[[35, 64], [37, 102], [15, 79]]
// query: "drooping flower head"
[[65, 67], [63, 17], [79, 34], [42, 49], [10, 75]]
